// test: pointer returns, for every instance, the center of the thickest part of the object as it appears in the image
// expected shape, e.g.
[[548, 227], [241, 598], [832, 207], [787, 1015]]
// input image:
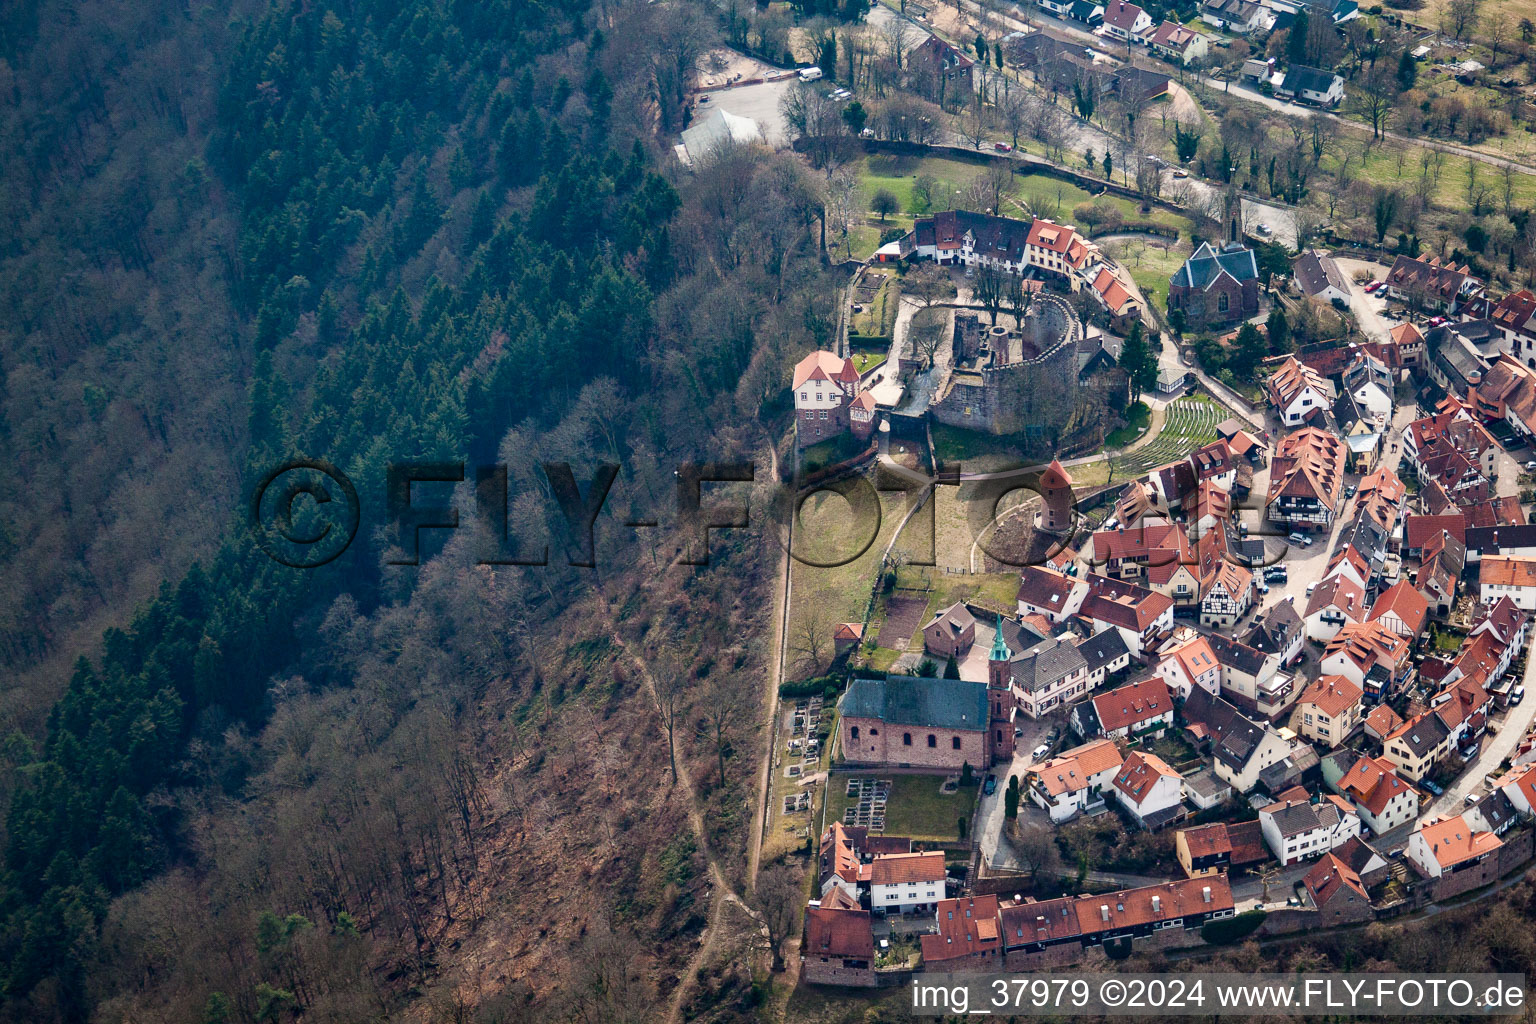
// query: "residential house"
[[1320, 278], [1328, 710], [1428, 284], [1127, 554], [1494, 813], [825, 386], [845, 853], [914, 721], [1515, 315], [1381, 722], [838, 946], [1365, 861], [1135, 709], [906, 883], [1418, 530], [968, 935], [951, 632], [1149, 789], [1105, 654], [1109, 287], [1047, 675], [1251, 678], [1296, 829], [1442, 846], [1335, 891], [1205, 789], [1418, 745], [1501, 576], [1506, 622], [1383, 498], [1229, 597], [1143, 618], [1053, 594], [952, 237], [1240, 747], [1311, 85], [1279, 631], [1335, 11], [1305, 478], [1371, 655], [1382, 798], [1513, 541], [1444, 557], [936, 60], [1214, 287], [1244, 17], [1125, 22], [1299, 393], [1519, 786], [1203, 850], [1401, 609], [1060, 251], [1177, 43], [1074, 779], [1337, 602], [1507, 392], [1190, 665]]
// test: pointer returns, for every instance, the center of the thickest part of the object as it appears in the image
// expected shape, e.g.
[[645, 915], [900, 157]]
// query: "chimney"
[[1157, 904], [1205, 894], [1104, 911]]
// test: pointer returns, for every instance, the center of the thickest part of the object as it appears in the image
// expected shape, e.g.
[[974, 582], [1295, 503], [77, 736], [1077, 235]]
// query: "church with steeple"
[[1001, 704]]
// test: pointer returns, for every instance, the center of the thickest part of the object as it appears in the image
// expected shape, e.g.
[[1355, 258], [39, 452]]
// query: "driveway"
[[995, 852], [1369, 310]]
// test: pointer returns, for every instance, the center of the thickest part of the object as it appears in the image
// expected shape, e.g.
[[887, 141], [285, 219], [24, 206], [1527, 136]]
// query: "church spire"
[[1000, 651]]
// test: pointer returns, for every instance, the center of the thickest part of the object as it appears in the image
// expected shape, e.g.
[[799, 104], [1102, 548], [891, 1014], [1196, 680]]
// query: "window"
[[906, 739], [954, 742], [1222, 302], [873, 731], [854, 732], [933, 740], [805, 396]]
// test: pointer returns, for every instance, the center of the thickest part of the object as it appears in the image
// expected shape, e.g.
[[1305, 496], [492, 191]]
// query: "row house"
[[1444, 846], [1337, 602], [1418, 745], [906, 883], [1142, 617], [1279, 631], [1382, 497], [1144, 707], [1505, 576], [1218, 847], [1073, 780], [1085, 921], [968, 935], [1048, 675], [1371, 656], [1402, 609], [1514, 541], [1299, 393], [1383, 798], [1127, 554], [846, 853], [1328, 710], [1149, 789], [1305, 479], [1060, 251], [1049, 593], [1189, 665], [1296, 829], [1240, 747], [1252, 678], [1443, 559], [1420, 529]]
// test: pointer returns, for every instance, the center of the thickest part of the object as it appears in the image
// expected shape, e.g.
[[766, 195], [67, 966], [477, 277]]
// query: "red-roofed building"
[[1147, 787], [1135, 708], [969, 935], [1337, 892], [1445, 845], [1189, 666], [1328, 710], [838, 947], [1382, 798], [1401, 609], [825, 386], [1418, 531]]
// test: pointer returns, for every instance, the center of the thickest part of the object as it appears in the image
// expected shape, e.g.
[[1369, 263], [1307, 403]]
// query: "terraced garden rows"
[[1190, 423]]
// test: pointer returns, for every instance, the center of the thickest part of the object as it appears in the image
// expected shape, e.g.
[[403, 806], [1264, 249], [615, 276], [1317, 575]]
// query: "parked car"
[[1299, 539], [1531, 466], [990, 786], [1261, 586], [1039, 752], [1002, 147], [1263, 230], [1436, 790], [1516, 696], [1349, 491], [1181, 174], [1370, 288], [1437, 321], [703, 99], [1471, 799], [1311, 587]]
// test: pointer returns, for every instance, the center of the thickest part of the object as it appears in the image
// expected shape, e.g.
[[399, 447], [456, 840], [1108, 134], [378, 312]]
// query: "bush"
[[812, 687], [1232, 929]]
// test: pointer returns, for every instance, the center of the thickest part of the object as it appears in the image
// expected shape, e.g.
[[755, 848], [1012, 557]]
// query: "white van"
[[809, 74]]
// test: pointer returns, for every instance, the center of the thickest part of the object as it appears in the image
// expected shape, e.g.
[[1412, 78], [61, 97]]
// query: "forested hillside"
[[281, 794]]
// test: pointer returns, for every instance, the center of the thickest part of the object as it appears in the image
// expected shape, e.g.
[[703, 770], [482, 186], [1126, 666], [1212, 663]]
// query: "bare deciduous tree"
[[779, 899]]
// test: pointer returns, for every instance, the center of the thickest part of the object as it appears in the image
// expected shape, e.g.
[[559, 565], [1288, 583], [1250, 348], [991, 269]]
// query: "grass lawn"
[[864, 360], [915, 807], [1137, 417], [997, 590], [1152, 264], [831, 451], [879, 315]]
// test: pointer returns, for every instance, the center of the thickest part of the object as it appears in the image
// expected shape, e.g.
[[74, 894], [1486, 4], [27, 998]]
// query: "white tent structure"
[[718, 128]]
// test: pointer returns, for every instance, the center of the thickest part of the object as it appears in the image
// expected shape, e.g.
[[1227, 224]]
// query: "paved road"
[[1496, 747], [1297, 110]]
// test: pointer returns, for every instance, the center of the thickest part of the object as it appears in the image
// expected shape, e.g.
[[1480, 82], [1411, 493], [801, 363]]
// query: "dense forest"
[[375, 232]]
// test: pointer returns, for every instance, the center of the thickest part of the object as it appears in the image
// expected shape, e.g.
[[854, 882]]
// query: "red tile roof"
[[1332, 695], [825, 366], [1126, 706], [1408, 604], [838, 932], [1328, 877], [967, 926], [897, 868]]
